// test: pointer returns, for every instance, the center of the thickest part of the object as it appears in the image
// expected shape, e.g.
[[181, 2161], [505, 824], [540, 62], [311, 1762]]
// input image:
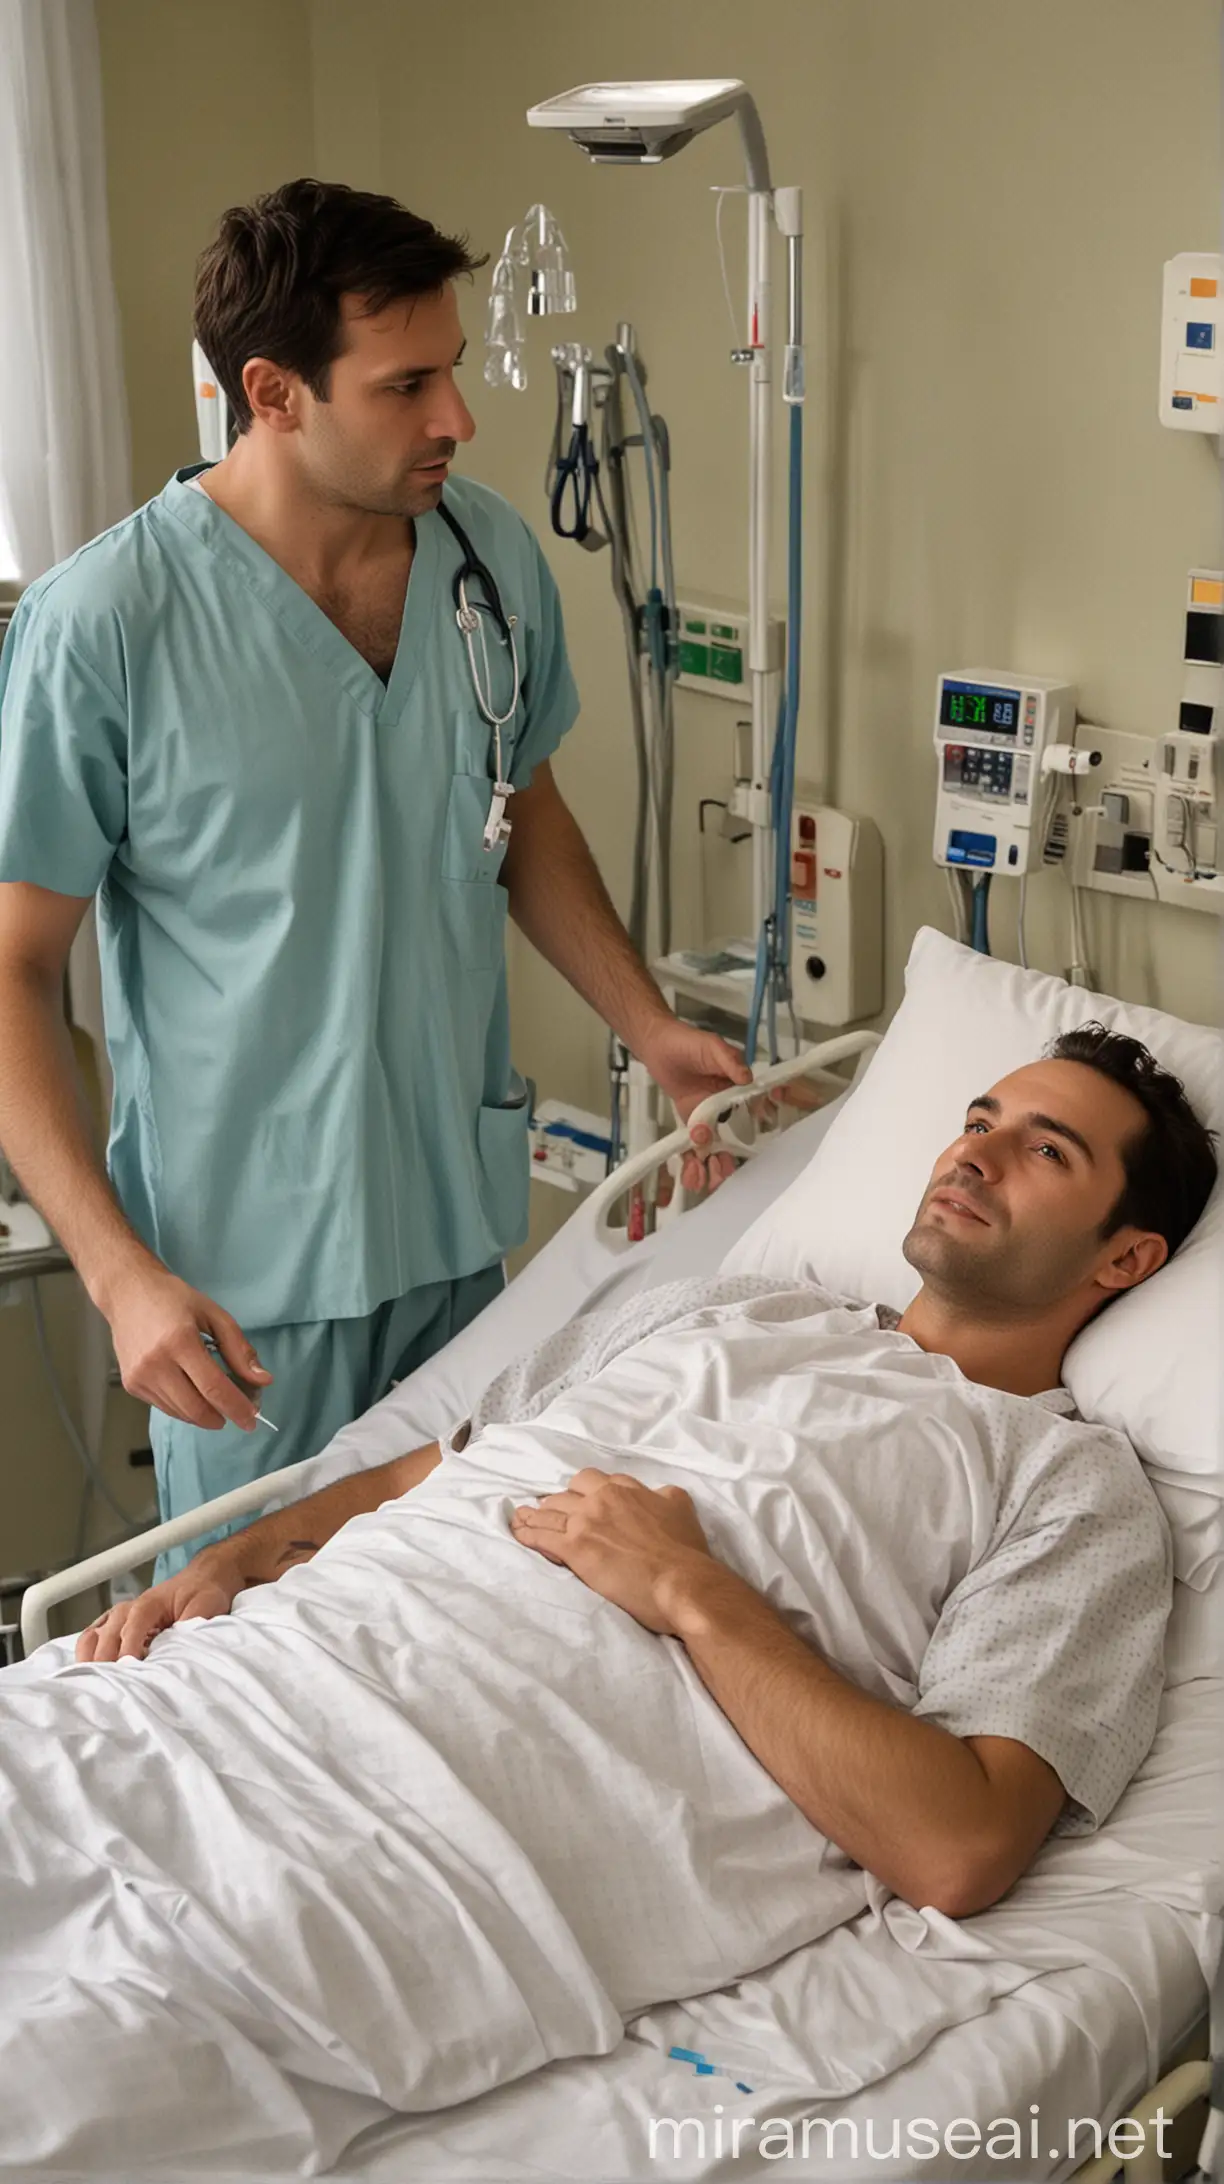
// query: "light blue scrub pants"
[[327, 1372]]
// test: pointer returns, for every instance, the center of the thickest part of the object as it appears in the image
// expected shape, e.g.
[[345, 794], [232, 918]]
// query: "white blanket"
[[428, 1814]]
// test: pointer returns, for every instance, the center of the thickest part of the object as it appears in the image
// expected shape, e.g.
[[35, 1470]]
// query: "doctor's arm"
[[559, 901], [258, 1555], [155, 1318], [943, 1820]]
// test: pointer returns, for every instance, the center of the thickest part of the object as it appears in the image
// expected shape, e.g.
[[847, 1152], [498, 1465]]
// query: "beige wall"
[[204, 106], [991, 191], [990, 194]]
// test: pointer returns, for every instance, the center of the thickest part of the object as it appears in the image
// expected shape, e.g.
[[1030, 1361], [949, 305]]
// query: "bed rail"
[[241, 1501], [1173, 2094], [717, 1114], [246, 1501]]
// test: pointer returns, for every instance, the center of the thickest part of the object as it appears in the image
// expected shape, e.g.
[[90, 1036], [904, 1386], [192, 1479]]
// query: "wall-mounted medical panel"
[[713, 647], [1192, 343]]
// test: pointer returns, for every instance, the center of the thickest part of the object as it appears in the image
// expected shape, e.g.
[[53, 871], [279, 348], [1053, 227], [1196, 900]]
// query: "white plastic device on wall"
[[992, 732], [836, 926], [836, 914], [1151, 824], [1192, 343]]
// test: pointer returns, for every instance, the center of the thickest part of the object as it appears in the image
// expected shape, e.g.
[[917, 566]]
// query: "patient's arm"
[[261, 1553], [944, 1820]]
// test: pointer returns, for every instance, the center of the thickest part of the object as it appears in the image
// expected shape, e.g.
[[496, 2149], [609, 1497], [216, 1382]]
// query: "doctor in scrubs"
[[245, 719]]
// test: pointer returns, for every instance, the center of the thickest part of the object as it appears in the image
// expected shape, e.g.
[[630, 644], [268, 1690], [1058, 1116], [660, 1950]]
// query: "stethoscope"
[[470, 615], [574, 475]]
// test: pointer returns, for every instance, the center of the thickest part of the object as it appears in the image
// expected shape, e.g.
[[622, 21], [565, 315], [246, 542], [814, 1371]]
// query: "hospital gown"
[[428, 1813]]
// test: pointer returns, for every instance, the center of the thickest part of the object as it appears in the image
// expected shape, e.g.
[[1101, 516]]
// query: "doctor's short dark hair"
[[1170, 1162], [270, 283]]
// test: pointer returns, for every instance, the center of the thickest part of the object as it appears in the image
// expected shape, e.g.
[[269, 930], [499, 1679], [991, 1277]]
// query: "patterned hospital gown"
[[1054, 1635]]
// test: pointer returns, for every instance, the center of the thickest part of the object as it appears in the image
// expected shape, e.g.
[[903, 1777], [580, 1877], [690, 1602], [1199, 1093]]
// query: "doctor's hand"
[[128, 1629], [158, 1323], [632, 1544], [689, 1064]]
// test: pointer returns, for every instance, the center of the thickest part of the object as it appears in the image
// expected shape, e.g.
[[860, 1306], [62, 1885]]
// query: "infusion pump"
[[991, 731]]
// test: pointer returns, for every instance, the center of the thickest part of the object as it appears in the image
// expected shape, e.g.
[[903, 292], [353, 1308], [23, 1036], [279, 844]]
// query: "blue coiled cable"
[[979, 924], [772, 981]]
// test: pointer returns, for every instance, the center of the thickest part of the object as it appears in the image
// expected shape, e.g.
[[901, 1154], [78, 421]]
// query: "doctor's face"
[[383, 439], [1012, 1220]]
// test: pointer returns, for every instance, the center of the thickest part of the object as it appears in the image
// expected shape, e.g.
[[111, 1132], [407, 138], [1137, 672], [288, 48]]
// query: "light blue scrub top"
[[302, 935]]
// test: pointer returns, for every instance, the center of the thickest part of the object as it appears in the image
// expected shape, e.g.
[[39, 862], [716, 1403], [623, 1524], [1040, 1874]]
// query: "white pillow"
[[1151, 1365]]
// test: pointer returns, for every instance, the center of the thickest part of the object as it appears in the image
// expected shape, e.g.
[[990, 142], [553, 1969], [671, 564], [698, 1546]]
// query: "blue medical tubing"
[[772, 978], [979, 929]]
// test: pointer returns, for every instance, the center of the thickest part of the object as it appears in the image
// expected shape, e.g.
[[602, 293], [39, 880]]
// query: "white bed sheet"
[[1081, 2042], [1073, 1993]]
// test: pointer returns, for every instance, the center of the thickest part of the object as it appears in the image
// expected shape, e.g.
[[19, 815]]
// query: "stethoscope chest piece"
[[497, 825], [470, 619]]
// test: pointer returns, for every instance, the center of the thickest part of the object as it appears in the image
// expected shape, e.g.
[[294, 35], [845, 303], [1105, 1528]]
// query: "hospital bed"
[[1082, 1994]]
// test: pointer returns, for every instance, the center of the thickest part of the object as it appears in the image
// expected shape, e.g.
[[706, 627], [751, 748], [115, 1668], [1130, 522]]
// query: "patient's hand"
[[629, 1542], [128, 1629]]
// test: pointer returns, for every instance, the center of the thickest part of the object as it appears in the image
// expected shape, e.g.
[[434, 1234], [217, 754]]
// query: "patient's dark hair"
[[271, 282], [1170, 1163]]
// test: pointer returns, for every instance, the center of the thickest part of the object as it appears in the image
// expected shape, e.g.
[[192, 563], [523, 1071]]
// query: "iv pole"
[[640, 124], [757, 356]]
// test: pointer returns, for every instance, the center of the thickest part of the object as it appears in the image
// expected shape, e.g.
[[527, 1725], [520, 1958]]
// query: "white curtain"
[[65, 470], [65, 465]]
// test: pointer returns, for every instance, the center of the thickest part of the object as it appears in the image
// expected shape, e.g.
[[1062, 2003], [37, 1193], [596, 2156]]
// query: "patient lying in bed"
[[727, 1607]]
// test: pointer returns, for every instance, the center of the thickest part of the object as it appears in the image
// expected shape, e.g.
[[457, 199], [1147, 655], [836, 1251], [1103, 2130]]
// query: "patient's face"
[[1012, 1216]]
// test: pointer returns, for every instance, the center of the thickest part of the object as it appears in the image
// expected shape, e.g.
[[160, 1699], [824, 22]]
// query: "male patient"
[[730, 1598]]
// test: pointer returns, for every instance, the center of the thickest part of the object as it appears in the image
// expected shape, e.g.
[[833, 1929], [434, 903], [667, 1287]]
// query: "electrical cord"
[[618, 1073], [618, 527], [648, 615], [658, 623], [1192, 871], [772, 980], [722, 191], [1045, 816], [554, 449], [956, 895], [1080, 973]]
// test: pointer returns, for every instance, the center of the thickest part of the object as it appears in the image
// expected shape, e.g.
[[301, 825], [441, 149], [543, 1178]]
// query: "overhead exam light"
[[630, 124], [639, 124]]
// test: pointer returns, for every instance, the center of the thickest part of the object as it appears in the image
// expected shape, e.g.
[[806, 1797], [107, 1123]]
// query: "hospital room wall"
[[203, 108], [991, 193]]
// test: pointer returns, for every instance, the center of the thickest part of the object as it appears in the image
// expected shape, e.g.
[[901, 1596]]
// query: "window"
[[9, 571]]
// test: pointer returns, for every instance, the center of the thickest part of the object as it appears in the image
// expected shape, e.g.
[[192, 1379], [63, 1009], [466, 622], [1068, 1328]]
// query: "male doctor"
[[247, 719]]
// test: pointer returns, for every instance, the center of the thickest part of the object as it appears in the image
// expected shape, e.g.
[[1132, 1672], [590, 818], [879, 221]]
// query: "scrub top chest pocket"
[[474, 905], [464, 856]]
